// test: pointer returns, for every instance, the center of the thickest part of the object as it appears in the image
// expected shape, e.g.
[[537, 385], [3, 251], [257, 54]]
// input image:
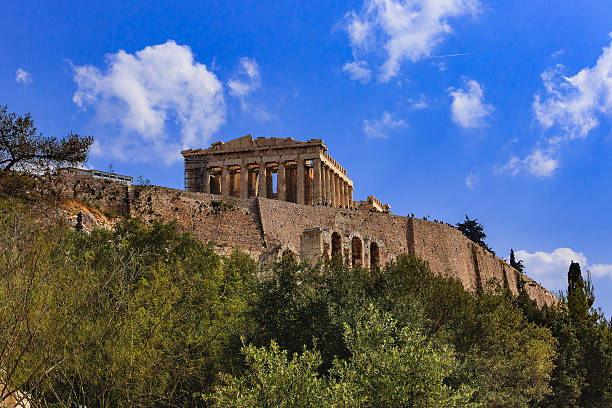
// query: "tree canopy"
[[518, 265], [144, 315], [23, 147], [474, 231]]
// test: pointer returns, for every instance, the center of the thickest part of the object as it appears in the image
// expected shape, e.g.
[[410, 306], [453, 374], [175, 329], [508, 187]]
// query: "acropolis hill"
[[272, 196]]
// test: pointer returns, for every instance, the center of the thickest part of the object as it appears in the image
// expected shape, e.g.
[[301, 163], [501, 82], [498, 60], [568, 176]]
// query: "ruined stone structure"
[[302, 172], [373, 204]]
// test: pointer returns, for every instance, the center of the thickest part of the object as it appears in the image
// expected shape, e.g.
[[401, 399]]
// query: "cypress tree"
[[79, 223]]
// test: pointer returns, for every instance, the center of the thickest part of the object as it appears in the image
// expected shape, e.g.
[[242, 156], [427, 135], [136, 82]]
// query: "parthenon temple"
[[276, 168]]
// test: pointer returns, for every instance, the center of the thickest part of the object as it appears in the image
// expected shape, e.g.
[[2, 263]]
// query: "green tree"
[[516, 265], [474, 231], [390, 366], [79, 222], [23, 147]]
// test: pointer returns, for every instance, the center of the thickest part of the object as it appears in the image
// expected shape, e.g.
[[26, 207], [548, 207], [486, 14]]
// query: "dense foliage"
[[148, 316], [474, 231]]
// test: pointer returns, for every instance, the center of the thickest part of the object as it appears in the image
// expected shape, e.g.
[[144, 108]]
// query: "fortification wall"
[[259, 225], [229, 223], [445, 249], [284, 222], [449, 252]]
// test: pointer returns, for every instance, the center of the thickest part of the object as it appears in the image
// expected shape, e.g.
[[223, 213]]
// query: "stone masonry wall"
[[229, 223], [449, 252], [446, 250], [259, 225], [285, 222]]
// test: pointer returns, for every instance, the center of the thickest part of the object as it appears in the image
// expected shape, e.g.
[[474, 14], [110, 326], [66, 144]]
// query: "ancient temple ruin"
[[276, 168]]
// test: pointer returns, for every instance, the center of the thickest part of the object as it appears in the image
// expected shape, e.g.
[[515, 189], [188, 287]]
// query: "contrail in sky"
[[448, 55]]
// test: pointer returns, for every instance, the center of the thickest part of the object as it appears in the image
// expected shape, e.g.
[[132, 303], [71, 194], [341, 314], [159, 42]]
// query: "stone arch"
[[357, 252], [374, 255], [336, 244]]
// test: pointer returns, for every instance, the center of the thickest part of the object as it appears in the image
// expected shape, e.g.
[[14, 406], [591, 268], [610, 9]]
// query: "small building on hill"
[[97, 174]]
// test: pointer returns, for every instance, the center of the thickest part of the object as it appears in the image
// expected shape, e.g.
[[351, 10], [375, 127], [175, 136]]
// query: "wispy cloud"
[[418, 104], [358, 71], [403, 30], [140, 94], [540, 163], [568, 108], [383, 127], [22, 76], [471, 180], [245, 81], [468, 108]]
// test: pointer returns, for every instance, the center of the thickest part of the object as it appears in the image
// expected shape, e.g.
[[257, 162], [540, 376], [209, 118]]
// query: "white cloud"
[[381, 128], [358, 71], [141, 94], [403, 29], [471, 180], [550, 268], [601, 270], [468, 109], [539, 163], [419, 104], [244, 82], [22, 76], [573, 104], [247, 79], [570, 107]]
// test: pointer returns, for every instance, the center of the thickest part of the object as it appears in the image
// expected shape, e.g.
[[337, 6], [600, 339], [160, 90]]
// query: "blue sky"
[[499, 110]]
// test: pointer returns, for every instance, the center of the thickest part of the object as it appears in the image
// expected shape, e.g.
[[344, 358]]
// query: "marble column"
[[338, 191], [301, 181], [263, 177], [225, 181], [316, 182], [347, 202], [330, 187], [281, 182], [269, 183], [252, 183], [324, 183], [244, 181], [206, 181]]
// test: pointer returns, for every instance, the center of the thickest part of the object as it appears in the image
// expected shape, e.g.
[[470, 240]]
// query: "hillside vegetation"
[[149, 317]]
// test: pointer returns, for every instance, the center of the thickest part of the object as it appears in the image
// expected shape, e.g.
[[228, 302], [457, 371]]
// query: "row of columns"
[[324, 185]]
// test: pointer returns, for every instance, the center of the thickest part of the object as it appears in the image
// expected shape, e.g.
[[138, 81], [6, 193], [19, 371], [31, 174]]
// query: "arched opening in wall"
[[336, 245], [356, 249], [374, 255]]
